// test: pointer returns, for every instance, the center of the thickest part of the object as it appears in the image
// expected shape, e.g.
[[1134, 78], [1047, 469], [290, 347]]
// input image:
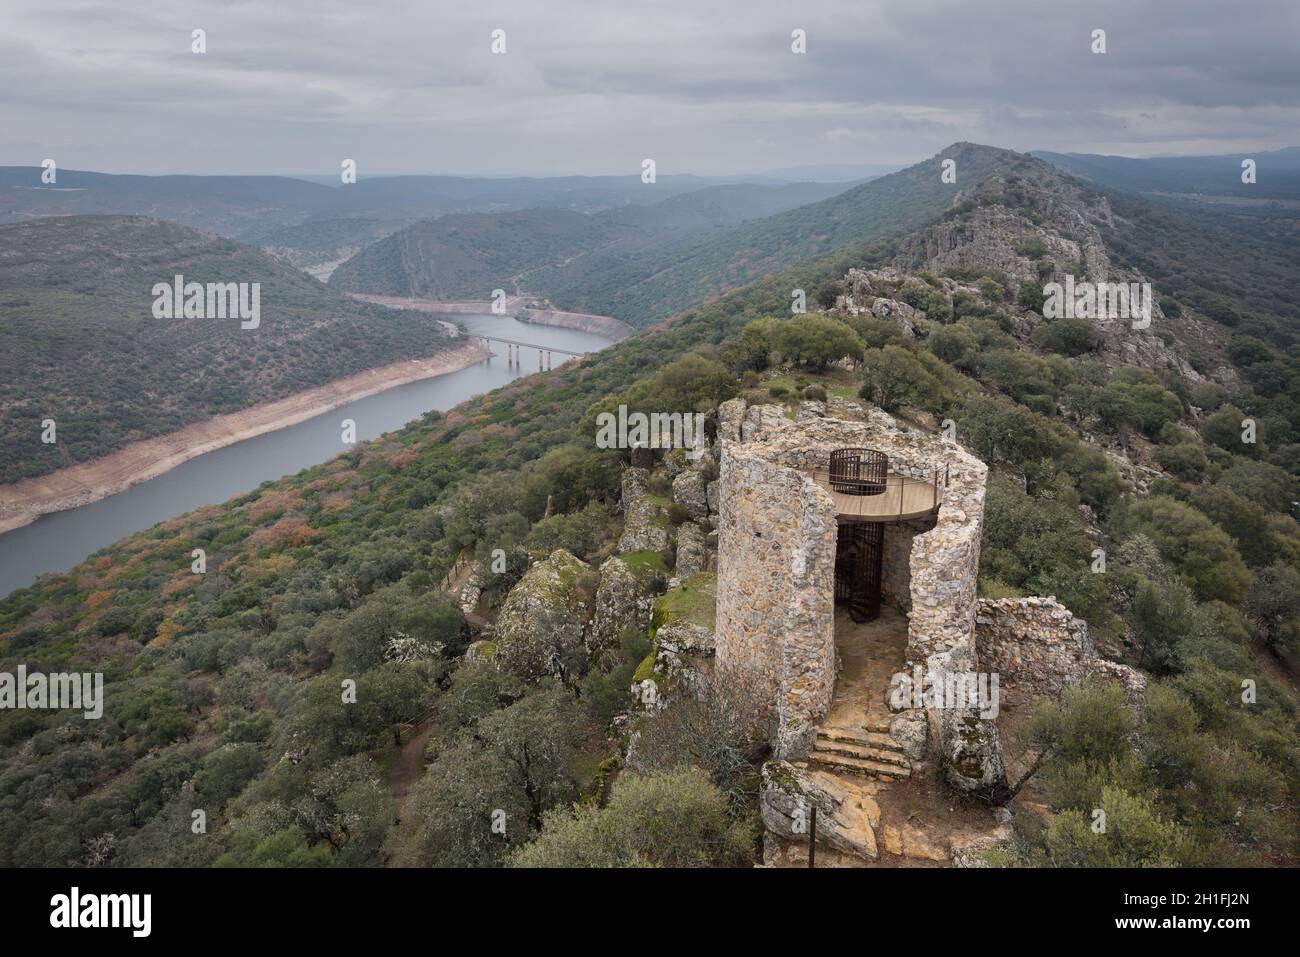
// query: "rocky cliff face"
[[1035, 226]]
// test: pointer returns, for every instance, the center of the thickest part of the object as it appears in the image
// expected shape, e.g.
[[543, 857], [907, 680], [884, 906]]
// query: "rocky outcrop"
[[900, 313], [730, 416], [540, 630], [690, 491], [847, 814], [645, 527], [761, 419], [622, 603], [692, 556]]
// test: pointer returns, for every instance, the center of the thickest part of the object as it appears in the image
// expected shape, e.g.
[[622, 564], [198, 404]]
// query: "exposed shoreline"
[[22, 502]]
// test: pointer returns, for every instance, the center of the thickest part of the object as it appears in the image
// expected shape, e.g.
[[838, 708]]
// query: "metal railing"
[[898, 496]]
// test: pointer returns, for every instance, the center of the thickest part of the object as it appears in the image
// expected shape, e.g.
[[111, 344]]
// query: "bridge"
[[514, 345]]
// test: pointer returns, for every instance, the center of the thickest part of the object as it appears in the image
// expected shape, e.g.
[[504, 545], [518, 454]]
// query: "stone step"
[[867, 739], [851, 750], [871, 769]]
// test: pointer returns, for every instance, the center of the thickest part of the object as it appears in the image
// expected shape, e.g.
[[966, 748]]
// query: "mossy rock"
[[645, 565], [694, 600], [646, 670]]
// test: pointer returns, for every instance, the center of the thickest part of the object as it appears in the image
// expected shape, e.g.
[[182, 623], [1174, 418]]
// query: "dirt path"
[[406, 770], [23, 502]]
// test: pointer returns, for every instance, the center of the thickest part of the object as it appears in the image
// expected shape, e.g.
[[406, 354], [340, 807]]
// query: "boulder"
[[847, 815], [622, 602], [972, 755], [911, 729], [685, 638], [692, 557], [543, 619], [691, 492]]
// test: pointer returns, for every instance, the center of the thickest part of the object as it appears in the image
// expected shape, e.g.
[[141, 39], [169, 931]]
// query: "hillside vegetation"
[[79, 343], [467, 256], [642, 278], [224, 689]]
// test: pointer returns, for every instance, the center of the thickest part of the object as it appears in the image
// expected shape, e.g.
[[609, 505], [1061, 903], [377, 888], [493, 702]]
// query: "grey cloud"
[[587, 88]]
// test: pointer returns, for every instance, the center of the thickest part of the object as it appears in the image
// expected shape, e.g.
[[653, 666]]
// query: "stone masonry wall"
[[776, 596], [1037, 647], [896, 562], [775, 611]]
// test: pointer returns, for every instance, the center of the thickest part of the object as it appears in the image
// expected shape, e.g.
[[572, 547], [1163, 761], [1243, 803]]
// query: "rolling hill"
[[79, 342], [643, 276], [467, 256], [222, 690], [1277, 173], [312, 224]]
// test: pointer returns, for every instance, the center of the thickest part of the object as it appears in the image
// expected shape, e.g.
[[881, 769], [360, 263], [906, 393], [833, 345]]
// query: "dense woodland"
[[224, 688]]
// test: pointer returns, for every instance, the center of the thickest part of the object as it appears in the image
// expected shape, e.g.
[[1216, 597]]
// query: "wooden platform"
[[904, 499]]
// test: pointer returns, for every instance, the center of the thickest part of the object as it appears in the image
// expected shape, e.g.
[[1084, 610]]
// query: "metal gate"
[[858, 553]]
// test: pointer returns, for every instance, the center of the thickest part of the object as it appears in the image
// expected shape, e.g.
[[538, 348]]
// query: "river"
[[59, 541]]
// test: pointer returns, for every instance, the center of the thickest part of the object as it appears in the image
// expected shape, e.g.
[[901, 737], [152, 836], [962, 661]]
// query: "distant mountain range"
[[313, 224], [642, 267], [1277, 173]]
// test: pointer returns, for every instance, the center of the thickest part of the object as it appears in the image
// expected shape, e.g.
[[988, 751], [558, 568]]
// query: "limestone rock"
[[847, 815], [730, 415], [692, 558], [711, 496], [690, 492], [621, 603], [911, 729], [542, 621]]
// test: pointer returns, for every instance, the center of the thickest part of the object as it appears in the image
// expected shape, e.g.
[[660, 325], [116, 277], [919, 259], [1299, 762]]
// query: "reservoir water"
[[59, 541]]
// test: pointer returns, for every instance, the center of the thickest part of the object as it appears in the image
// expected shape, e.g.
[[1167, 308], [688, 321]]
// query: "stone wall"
[[776, 554], [1037, 647], [776, 573], [896, 562]]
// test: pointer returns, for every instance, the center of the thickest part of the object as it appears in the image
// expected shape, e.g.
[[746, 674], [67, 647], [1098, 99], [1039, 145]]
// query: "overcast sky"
[[595, 86]]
